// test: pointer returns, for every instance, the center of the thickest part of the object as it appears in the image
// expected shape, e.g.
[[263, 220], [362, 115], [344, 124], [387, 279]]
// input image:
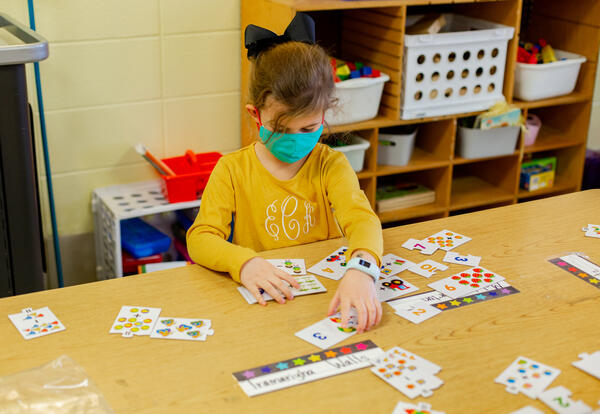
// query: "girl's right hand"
[[258, 274]]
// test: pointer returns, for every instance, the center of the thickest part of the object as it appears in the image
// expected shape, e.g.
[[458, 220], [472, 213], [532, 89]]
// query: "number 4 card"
[[333, 266], [464, 283]]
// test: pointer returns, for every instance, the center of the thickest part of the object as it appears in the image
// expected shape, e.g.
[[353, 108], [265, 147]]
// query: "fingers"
[[287, 277], [283, 287], [363, 316], [371, 314], [273, 291], [256, 293], [379, 312], [345, 313], [334, 304]]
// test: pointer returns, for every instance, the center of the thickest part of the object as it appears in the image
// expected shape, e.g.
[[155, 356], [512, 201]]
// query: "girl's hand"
[[258, 274], [357, 290]]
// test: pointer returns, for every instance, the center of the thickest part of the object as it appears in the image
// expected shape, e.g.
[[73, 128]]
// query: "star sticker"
[[361, 346], [455, 303], [594, 281], [507, 291], [330, 354], [299, 361], [572, 269], [467, 300], [266, 370], [314, 358], [441, 306], [492, 293], [346, 350], [249, 374], [581, 275], [480, 297], [282, 365]]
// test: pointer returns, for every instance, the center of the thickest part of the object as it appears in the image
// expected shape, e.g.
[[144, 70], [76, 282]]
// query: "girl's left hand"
[[357, 290]]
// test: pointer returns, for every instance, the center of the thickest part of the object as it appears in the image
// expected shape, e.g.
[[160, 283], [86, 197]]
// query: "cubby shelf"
[[372, 31]]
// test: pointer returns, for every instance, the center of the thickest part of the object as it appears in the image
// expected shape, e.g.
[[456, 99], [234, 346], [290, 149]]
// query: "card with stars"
[[307, 368], [35, 323]]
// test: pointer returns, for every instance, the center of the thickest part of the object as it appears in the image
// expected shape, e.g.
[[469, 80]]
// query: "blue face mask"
[[289, 148]]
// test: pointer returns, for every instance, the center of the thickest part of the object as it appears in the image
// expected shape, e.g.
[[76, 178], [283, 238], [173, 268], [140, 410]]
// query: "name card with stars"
[[307, 368], [580, 267]]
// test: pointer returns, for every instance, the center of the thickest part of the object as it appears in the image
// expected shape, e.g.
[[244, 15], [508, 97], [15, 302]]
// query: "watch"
[[364, 266]]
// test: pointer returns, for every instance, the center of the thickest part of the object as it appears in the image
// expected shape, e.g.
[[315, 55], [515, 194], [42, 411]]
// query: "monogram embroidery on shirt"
[[289, 225]]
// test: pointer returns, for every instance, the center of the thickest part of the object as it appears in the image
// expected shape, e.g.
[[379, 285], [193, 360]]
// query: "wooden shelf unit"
[[372, 31]]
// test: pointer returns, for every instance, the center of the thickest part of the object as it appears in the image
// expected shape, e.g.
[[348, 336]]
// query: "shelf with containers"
[[373, 32]]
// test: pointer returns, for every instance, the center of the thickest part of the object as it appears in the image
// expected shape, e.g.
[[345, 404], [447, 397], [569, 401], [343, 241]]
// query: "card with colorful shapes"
[[135, 320], [35, 323], [447, 240], [333, 266], [527, 376], [592, 230], [392, 287], [186, 329], [392, 265], [466, 282], [328, 332], [309, 284], [420, 408], [306, 368], [294, 267]]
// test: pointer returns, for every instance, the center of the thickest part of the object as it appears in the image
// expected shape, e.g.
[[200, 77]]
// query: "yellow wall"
[[162, 72]]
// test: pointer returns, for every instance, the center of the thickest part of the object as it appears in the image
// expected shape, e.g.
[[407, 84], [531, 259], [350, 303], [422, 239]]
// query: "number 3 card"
[[464, 283], [329, 331]]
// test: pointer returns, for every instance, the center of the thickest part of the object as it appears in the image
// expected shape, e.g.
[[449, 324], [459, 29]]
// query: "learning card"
[[417, 312], [427, 268], [457, 258], [528, 409], [466, 282], [407, 372], [527, 376], [307, 368], [135, 320], [329, 331], [420, 408], [35, 323], [589, 363], [333, 266], [447, 240], [187, 329], [392, 287], [592, 230], [421, 246], [559, 399], [294, 267], [309, 284], [579, 266], [392, 264]]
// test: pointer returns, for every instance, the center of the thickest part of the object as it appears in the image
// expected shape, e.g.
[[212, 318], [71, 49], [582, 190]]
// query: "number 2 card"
[[464, 283], [329, 331]]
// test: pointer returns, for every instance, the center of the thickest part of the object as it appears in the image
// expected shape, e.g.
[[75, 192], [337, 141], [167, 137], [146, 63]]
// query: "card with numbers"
[[329, 331], [592, 230], [392, 264], [294, 267], [465, 260], [589, 363], [427, 268], [417, 312], [186, 329], [392, 287], [559, 399], [421, 246], [35, 323], [333, 266], [135, 320], [527, 376], [447, 240], [309, 284], [466, 282]]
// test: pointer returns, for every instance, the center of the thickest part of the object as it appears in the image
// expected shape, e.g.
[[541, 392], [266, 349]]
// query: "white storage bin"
[[480, 143], [395, 146], [358, 100], [458, 70], [546, 80], [355, 151]]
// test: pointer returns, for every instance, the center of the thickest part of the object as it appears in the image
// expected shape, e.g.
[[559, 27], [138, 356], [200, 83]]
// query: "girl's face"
[[305, 123]]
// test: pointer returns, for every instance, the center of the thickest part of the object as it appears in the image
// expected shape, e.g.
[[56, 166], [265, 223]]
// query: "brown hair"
[[298, 75]]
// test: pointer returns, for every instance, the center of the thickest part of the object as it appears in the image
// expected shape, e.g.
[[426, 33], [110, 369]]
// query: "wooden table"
[[552, 320]]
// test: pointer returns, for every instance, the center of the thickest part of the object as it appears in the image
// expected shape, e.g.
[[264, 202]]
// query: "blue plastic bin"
[[141, 239]]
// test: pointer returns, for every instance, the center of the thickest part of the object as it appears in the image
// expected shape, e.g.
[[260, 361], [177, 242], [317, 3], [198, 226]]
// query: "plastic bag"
[[59, 387]]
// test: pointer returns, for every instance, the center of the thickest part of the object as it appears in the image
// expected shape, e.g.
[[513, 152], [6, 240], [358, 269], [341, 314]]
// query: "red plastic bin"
[[191, 175]]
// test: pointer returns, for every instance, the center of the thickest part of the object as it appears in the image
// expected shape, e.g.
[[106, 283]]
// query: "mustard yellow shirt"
[[269, 213]]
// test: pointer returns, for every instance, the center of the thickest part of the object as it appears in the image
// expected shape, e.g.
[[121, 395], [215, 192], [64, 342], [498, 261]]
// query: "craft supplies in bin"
[[533, 125], [459, 69], [353, 147], [140, 239], [538, 174], [547, 80], [402, 195], [191, 175], [396, 145], [358, 93], [130, 264]]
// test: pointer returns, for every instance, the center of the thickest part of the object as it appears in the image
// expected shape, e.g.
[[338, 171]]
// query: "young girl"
[[287, 189]]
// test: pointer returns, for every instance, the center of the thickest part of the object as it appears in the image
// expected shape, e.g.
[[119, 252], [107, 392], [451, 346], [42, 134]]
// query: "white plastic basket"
[[358, 100], [458, 70], [395, 148], [355, 152], [546, 80]]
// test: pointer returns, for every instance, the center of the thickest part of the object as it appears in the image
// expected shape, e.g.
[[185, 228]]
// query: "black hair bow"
[[300, 29]]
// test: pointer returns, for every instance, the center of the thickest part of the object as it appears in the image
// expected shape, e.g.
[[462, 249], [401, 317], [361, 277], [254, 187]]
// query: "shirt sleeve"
[[357, 221], [207, 237]]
